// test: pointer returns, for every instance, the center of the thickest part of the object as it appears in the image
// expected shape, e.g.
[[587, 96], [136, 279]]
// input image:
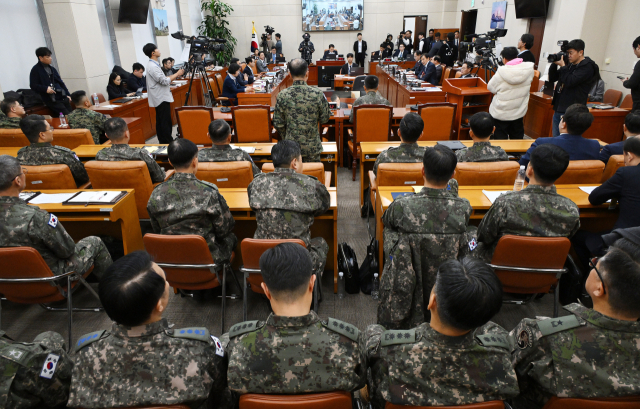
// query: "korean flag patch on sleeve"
[[473, 244], [219, 349], [49, 366], [76, 156], [53, 220]]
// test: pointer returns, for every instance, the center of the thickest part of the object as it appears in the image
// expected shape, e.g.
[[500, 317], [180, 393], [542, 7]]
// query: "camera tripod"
[[199, 67], [489, 64]]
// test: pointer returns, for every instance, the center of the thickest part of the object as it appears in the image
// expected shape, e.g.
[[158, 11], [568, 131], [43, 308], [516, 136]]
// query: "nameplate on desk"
[[105, 210]]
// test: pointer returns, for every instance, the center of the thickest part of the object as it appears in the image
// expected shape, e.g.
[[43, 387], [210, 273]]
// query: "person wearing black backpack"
[[45, 80], [448, 51]]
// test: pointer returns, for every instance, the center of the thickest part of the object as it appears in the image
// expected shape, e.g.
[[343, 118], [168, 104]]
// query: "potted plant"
[[215, 25]]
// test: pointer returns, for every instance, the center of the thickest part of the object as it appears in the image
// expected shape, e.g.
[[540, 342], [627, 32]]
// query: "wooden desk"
[[119, 220], [606, 126], [401, 95], [339, 81], [134, 124], [265, 98], [314, 69], [404, 65], [467, 90]]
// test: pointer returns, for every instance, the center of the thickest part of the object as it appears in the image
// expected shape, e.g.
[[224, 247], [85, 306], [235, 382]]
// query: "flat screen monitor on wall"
[[531, 8], [332, 15], [133, 11]]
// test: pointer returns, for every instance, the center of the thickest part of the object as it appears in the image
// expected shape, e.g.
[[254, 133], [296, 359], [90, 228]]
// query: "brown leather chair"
[[623, 402], [615, 162], [220, 82], [101, 97], [252, 249], [27, 279], [582, 171], [252, 123], [612, 97], [521, 270], [193, 123], [394, 174], [486, 173], [438, 120], [371, 123], [187, 263], [458, 74], [627, 102], [310, 168], [72, 138], [217, 93], [124, 175], [236, 174], [51, 177], [494, 404], [327, 400], [13, 138], [446, 74], [535, 83]]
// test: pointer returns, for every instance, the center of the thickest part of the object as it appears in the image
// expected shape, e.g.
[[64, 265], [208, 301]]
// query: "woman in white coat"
[[511, 85]]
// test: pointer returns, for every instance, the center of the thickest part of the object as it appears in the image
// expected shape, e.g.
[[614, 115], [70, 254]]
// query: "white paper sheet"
[[248, 149], [588, 189], [492, 195], [45, 198], [100, 196]]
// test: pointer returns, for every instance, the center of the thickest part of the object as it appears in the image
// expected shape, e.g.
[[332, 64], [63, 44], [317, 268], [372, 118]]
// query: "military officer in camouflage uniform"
[[409, 132], [372, 96], [299, 110], [482, 151], [11, 112], [84, 118], [459, 358], [118, 133], [143, 360], [286, 202], [591, 353], [221, 151], [25, 225], [537, 210], [293, 351], [36, 374], [185, 205], [41, 152]]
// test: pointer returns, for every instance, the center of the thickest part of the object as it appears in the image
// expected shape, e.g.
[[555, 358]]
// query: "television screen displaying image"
[[133, 11], [322, 15], [531, 8]]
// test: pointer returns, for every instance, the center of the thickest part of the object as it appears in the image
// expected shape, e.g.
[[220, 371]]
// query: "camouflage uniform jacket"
[[122, 152], [34, 374], [372, 97], [422, 367], [420, 232], [147, 365], [225, 153], [291, 355], [88, 119], [583, 355], [38, 154], [482, 152], [299, 109], [536, 211], [405, 153], [286, 203], [186, 205], [9, 123]]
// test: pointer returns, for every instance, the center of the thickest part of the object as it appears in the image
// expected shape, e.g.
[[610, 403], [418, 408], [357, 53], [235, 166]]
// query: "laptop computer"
[[280, 59], [357, 71], [330, 57]]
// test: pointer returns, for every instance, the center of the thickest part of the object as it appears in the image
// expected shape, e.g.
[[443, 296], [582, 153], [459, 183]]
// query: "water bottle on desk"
[[341, 288], [519, 184], [95, 100], [375, 290], [63, 121]]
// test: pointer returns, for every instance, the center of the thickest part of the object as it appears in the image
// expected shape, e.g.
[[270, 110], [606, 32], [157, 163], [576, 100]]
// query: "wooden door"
[[536, 27]]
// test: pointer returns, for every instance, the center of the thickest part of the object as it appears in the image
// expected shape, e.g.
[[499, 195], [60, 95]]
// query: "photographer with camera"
[[575, 75], [306, 48], [45, 80]]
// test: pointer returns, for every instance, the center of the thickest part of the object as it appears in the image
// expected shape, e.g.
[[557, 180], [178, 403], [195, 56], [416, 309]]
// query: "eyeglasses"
[[23, 171], [593, 263]]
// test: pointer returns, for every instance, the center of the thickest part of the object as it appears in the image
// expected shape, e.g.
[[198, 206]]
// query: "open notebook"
[[95, 197]]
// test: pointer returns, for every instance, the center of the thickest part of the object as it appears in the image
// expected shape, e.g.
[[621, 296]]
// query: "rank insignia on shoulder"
[[493, 340], [393, 337], [343, 328], [243, 328], [197, 333], [88, 339], [553, 325]]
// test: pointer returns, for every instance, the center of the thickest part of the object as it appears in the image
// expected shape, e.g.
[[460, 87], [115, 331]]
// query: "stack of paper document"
[[492, 195], [248, 149], [152, 149], [99, 196], [45, 198], [588, 189]]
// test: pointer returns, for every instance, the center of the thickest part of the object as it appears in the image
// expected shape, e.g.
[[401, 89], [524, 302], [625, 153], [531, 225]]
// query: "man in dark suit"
[[575, 121], [137, 80], [382, 54], [330, 51], [422, 44], [408, 41], [347, 68], [400, 53], [45, 80], [417, 56], [429, 41], [231, 87], [465, 70], [448, 51], [631, 129], [360, 50], [432, 71], [524, 45]]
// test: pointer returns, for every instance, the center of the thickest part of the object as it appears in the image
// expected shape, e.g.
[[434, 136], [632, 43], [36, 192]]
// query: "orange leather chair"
[[252, 249], [582, 171], [371, 123], [220, 82], [438, 120], [193, 123], [252, 123], [327, 400], [615, 162], [446, 74], [494, 404], [187, 263], [310, 168], [101, 97], [72, 138], [124, 175], [13, 138], [612, 97], [458, 74], [535, 83], [236, 174], [395, 174], [27, 279], [624, 402], [627, 102], [521, 270], [217, 93], [51, 177], [486, 173]]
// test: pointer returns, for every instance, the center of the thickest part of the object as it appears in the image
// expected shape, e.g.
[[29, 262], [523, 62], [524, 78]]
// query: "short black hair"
[[349, 55], [636, 42], [278, 35], [431, 30], [527, 40], [469, 64], [170, 59], [148, 49], [417, 52], [298, 67], [43, 52], [403, 32], [77, 97], [115, 128], [549, 162], [437, 35], [621, 273], [165, 60], [181, 152], [400, 45], [578, 119], [632, 122], [509, 53], [274, 48], [130, 289], [286, 270], [576, 44], [451, 36], [137, 66], [409, 31], [234, 60], [421, 34], [332, 46], [439, 163], [411, 127], [219, 130], [8, 103], [32, 126], [383, 45], [9, 169], [371, 82], [632, 145], [261, 52], [437, 58], [233, 67], [481, 124], [359, 34], [468, 293], [284, 152]]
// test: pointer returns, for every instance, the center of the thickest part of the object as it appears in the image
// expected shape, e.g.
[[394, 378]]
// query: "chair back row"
[[68, 138]]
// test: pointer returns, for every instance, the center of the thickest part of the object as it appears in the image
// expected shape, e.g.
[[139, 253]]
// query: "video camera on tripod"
[[484, 46], [263, 38], [305, 48]]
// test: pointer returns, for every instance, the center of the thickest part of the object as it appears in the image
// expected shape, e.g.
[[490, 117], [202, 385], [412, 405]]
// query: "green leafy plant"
[[214, 25]]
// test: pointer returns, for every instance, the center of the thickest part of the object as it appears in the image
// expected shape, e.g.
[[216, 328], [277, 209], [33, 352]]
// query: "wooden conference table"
[[265, 98], [401, 95], [405, 65]]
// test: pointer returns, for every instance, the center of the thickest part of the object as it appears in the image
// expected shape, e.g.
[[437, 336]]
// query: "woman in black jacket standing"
[[115, 89]]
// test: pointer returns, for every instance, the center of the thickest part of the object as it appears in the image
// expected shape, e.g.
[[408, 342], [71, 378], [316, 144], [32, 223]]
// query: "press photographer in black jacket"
[[45, 80]]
